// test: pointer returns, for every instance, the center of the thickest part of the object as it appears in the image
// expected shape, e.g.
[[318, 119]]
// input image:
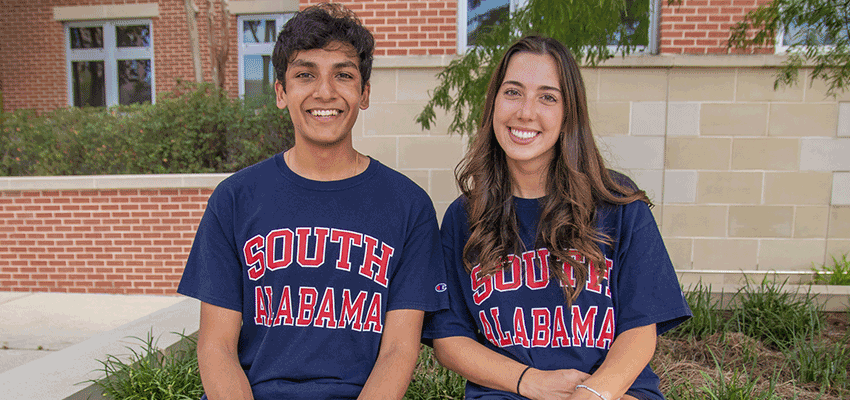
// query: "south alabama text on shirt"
[[560, 326], [320, 307]]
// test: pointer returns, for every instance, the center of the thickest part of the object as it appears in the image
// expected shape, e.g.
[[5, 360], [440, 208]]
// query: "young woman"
[[558, 279]]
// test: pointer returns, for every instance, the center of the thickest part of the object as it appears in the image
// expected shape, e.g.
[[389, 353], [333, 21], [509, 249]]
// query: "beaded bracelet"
[[520, 378], [591, 390]]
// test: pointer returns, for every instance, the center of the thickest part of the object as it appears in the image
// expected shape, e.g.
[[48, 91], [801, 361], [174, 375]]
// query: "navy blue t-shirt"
[[313, 267], [521, 312]]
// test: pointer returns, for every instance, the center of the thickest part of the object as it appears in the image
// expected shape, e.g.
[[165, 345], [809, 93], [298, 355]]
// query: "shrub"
[[836, 274], [433, 382], [196, 128], [706, 319]]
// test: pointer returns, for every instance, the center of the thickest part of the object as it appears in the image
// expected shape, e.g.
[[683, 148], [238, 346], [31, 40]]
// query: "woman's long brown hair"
[[577, 183]]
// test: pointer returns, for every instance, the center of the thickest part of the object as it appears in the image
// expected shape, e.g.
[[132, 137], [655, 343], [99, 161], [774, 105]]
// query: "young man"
[[315, 267]]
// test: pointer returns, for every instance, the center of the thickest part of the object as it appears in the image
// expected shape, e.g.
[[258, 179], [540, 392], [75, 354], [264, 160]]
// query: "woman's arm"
[[485, 367], [221, 373], [627, 357]]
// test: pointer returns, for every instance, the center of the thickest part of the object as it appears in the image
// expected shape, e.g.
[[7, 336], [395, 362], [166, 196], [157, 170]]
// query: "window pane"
[[483, 14], [259, 75], [133, 36], [88, 81], [635, 22], [259, 31], [134, 81], [87, 38]]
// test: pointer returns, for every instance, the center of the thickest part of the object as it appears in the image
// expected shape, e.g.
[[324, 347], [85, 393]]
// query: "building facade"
[[746, 179]]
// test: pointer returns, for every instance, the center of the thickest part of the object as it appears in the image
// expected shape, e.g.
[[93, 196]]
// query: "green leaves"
[[819, 34]]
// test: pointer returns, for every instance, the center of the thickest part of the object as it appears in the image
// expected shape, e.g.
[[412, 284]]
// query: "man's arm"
[[221, 374], [396, 357]]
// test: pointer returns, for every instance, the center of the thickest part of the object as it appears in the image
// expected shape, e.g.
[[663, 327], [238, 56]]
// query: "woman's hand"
[[550, 385]]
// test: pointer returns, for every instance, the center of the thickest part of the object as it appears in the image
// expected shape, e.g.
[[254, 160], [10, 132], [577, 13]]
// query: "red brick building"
[[55, 53]]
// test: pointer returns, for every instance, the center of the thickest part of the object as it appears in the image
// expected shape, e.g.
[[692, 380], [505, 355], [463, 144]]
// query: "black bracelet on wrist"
[[518, 381]]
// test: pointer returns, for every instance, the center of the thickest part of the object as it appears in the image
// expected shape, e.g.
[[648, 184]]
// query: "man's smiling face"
[[323, 94]]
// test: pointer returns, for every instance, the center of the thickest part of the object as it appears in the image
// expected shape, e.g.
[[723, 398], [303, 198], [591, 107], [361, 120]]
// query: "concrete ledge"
[[63, 374], [112, 182], [114, 11]]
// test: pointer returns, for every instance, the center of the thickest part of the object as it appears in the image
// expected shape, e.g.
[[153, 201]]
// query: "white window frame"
[[780, 48], [256, 48], [654, 17], [110, 54]]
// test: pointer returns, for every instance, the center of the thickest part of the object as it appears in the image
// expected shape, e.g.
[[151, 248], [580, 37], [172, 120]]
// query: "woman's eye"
[[512, 92], [549, 98]]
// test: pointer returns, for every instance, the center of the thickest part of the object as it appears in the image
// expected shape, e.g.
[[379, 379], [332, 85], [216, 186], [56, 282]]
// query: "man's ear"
[[364, 97], [279, 94]]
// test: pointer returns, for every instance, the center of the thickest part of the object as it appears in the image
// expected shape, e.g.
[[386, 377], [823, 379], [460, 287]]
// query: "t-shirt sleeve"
[[648, 290], [419, 282], [456, 320], [213, 269]]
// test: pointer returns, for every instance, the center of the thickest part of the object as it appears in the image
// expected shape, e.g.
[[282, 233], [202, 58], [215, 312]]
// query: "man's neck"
[[325, 163]]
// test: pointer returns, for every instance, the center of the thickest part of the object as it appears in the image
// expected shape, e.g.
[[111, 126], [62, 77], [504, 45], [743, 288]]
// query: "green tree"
[[819, 36], [593, 31]]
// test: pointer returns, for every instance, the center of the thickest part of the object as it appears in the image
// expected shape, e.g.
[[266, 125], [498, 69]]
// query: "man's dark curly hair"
[[317, 26]]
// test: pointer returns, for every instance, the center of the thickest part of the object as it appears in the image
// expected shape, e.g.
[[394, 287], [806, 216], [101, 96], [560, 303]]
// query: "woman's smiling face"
[[529, 111]]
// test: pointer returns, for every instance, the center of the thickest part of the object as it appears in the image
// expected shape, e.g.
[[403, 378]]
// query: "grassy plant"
[[433, 382], [820, 361], [836, 274], [706, 319], [776, 317], [737, 385], [151, 373]]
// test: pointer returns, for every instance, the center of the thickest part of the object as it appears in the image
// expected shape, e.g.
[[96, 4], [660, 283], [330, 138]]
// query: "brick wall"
[[127, 241], [702, 26]]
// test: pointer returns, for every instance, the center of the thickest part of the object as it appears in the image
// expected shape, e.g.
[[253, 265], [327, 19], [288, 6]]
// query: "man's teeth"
[[324, 113], [523, 134]]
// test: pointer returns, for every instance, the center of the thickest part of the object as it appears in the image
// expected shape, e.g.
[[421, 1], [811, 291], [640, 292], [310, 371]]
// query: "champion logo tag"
[[441, 287]]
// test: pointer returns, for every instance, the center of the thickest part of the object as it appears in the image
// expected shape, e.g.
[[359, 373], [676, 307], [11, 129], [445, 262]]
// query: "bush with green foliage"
[[194, 129], [836, 274], [706, 319]]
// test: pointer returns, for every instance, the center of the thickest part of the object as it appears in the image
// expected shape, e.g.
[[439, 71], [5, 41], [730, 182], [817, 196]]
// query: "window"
[[257, 37], [479, 15], [109, 63], [797, 35]]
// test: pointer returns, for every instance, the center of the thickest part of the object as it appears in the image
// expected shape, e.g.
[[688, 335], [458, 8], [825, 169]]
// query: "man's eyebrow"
[[303, 63], [345, 64], [544, 87]]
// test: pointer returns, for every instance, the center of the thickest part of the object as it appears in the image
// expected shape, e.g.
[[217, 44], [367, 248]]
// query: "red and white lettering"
[[373, 317], [531, 270], [485, 326], [279, 239], [382, 262], [583, 326], [609, 265], [326, 317], [284, 310], [352, 311], [482, 286], [345, 239], [606, 336], [503, 337], [306, 305], [516, 275], [318, 257], [255, 257], [560, 335], [542, 325], [520, 331], [261, 314]]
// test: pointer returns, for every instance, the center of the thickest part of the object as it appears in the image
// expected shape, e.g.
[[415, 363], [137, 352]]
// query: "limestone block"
[[841, 188], [429, 152], [443, 186], [383, 83], [843, 119], [694, 221], [797, 188], [801, 120], [791, 255], [416, 85], [590, 76], [637, 84], [733, 119], [810, 222], [765, 154], [761, 221], [821, 154], [756, 84], [702, 84], [699, 153], [680, 251], [725, 254], [680, 186], [608, 119], [632, 152], [392, 119], [383, 149], [729, 187], [839, 223], [683, 119], [648, 118]]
